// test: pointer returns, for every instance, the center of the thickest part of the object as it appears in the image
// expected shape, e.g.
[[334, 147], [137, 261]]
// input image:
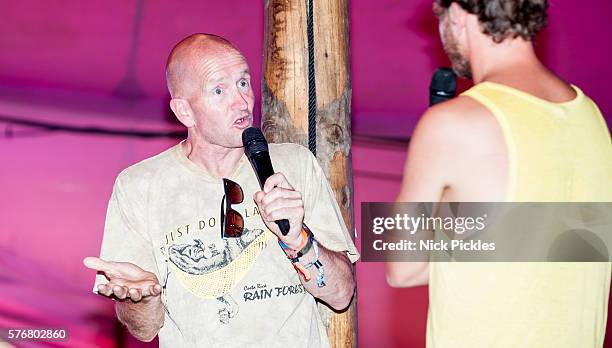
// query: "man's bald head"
[[186, 57]]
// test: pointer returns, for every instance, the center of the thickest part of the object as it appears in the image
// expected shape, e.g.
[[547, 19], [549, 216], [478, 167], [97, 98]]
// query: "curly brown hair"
[[503, 18]]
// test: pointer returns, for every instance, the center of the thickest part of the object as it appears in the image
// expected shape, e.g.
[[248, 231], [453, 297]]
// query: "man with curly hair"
[[520, 134]]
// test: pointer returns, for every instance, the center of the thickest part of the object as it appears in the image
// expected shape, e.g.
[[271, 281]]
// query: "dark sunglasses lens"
[[234, 224], [233, 191]]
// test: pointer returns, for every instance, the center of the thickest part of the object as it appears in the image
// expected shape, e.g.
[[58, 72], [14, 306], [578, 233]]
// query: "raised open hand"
[[126, 280]]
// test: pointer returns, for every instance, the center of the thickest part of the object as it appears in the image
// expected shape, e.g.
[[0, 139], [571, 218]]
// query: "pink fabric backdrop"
[[69, 62]]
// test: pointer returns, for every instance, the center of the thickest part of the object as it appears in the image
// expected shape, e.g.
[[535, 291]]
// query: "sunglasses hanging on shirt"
[[232, 223]]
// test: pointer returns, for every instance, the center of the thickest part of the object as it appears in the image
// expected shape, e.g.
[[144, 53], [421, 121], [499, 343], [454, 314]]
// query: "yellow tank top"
[[557, 153]]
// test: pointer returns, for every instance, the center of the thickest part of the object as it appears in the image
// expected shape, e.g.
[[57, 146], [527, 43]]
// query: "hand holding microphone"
[[279, 201], [280, 205]]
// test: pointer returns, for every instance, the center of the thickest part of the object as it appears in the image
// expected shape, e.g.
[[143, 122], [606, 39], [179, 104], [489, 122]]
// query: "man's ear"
[[457, 16], [182, 111]]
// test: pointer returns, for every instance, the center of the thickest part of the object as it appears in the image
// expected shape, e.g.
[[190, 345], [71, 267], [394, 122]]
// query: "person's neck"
[[506, 62], [218, 161]]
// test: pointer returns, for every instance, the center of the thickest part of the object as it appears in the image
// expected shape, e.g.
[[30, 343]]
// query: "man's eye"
[[243, 83], [218, 91]]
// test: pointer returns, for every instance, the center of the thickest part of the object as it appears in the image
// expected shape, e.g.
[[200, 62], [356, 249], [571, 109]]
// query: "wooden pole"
[[285, 107]]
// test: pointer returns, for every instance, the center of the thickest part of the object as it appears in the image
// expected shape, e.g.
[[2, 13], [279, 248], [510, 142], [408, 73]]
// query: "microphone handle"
[[436, 97], [283, 225], [263, 168]]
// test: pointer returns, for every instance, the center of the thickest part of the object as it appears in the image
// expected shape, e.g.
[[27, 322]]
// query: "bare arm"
[[143, 318], [139, 305], [339, 280], [457, 153], [279, 200], [425, 179]]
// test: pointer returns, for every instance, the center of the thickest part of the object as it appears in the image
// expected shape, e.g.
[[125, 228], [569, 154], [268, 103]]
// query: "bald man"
[[166, 256]]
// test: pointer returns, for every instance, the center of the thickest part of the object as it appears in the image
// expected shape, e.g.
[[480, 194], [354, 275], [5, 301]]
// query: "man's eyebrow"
[[214, 81]]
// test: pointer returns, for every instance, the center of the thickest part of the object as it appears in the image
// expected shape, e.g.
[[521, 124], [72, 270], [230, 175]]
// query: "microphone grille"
[[253, 141], [443, 82]]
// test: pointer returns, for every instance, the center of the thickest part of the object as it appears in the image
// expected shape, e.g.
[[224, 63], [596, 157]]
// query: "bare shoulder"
[[463, 123], [457, 152]]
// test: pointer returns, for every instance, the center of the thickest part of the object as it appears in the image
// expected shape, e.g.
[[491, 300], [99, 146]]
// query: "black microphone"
[[256, 150], [443, 86]]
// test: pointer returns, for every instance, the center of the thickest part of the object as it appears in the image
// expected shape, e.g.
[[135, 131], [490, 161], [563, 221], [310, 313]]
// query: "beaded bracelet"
[[318, 265], [303, 248], [294, 255]]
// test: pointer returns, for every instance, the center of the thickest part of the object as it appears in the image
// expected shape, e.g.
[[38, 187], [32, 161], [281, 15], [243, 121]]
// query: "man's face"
[[461, 64], [222, 100]]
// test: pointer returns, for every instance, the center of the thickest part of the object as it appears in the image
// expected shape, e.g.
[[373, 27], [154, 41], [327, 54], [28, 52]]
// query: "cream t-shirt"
[[164, 216]]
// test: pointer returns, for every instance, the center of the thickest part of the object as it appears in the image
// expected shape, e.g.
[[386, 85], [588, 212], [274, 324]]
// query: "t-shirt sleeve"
[[321, 212], [125, 237]]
